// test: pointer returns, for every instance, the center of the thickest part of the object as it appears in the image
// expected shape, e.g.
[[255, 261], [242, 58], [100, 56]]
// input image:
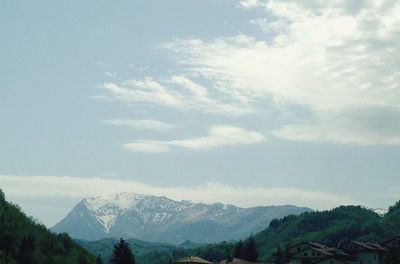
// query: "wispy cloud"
[[337, 59], [179, 92], [26, 189], [141, 124], [218, 135], [110, 74], [146, 90]]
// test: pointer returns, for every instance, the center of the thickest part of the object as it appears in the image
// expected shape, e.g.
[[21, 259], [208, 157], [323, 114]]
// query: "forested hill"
[[328, 227], [22, 240]]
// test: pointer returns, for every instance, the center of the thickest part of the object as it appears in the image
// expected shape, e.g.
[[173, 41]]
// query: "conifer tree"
[[228, 255], [250, 252], [26, 250], [98, 260], [122, 254], [238, 253]]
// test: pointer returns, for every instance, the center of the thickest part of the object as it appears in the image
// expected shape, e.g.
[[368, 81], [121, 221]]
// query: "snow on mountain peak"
[[107, 208], [123, 201], [153, 217], [379, 211]]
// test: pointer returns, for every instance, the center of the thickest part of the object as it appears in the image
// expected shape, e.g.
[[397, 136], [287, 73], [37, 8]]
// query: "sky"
[[247, 102]]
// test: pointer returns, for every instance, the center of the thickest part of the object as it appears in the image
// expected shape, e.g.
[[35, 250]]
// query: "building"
[[393, 245], [310, 252], [332, 260], [349, 252], [365, 253]]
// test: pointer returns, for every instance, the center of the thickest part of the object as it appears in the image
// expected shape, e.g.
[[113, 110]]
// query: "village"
[[310, 252]]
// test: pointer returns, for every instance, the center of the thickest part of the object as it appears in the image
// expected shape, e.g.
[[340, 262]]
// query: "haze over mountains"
[[160, 219]]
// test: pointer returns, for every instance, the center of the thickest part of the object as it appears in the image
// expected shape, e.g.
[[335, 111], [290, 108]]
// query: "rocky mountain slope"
[[160, 219]]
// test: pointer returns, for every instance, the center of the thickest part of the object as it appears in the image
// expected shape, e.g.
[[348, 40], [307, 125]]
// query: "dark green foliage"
[[23, 240], [391, 221], [328, 227], [145, 252], [25, 254], [238, 253], [122, 254], [228, 255], [250, 252]]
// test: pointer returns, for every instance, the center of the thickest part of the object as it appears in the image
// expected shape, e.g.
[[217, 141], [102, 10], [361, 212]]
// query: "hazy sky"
[[247, 102]]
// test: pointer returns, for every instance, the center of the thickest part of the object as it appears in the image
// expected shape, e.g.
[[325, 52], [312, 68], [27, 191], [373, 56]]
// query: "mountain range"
[[161, 219]]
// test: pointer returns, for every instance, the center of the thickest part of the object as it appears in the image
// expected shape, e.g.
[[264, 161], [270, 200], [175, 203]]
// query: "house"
[[192, 260], [310, 252], [297, 248], [364, 253], [332, 260], [393, 245], [311, 255]]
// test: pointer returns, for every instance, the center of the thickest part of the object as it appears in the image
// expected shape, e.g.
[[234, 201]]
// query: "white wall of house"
[[368, 257]]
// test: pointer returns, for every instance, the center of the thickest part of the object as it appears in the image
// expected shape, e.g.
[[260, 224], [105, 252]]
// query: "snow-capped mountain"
[[161, 219], [380, 211]]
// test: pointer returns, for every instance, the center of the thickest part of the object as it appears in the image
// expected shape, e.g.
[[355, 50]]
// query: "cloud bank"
[[337, 61]]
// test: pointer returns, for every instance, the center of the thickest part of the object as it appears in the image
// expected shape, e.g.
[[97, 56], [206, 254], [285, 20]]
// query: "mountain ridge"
[[155, 218]]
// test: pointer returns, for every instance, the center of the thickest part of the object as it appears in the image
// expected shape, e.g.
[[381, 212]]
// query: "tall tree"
[[238, 253], [122, 254], [228, 255], [99, 260], [250, 252], [26, 250]]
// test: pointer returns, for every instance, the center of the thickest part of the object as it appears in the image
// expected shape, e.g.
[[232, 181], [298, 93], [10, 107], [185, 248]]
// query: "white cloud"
[[337, 59], [250, 3], [141, 124], [110, 74], [67, 191], [218, 135], [363, 126], [179, 92], [146, 90]]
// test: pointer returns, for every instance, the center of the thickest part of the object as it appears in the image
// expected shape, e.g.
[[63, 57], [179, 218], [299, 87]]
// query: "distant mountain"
[[23, 240], [160, 219]]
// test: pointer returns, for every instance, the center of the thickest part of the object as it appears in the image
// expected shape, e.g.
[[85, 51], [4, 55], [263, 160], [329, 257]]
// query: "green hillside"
[[23, 240], [145, 252], [328, 227]]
